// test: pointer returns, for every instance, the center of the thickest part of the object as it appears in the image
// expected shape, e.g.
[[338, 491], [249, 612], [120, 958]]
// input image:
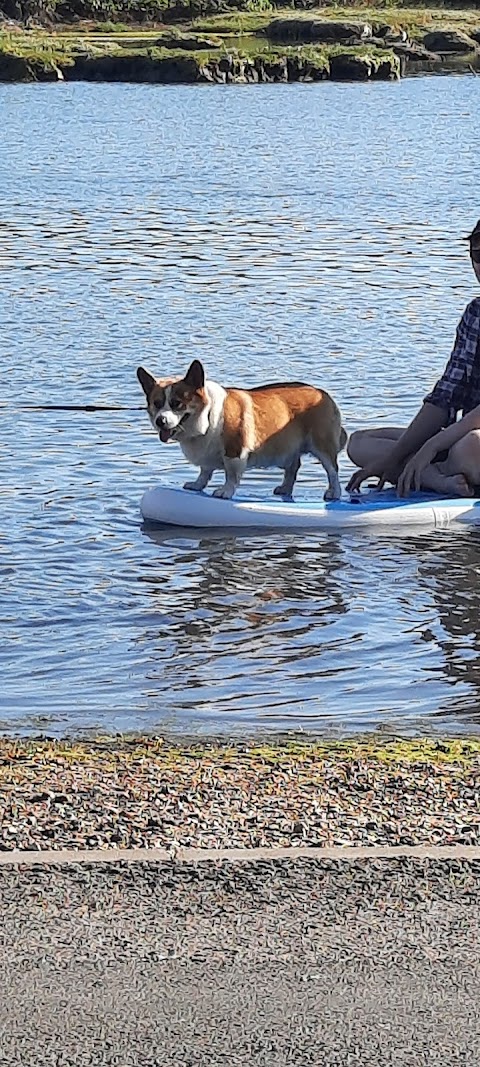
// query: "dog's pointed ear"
[[146, 380], [195, 376]]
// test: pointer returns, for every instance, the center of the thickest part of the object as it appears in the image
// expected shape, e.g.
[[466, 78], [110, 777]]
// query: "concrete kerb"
[[16, 858]]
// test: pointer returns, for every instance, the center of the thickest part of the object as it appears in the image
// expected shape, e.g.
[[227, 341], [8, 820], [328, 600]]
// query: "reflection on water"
[[318, 632], [259, 230]]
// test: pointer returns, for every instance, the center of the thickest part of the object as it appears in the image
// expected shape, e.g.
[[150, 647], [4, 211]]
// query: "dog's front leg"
[[234, 469], [200, 482]]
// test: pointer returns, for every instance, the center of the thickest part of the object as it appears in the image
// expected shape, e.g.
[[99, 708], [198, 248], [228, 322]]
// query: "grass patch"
[[414, 19], [415, 751], [28, 47], [239, 22]]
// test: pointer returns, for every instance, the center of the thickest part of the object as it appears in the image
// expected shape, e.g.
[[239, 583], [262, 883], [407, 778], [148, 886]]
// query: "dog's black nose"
[[160, 422]]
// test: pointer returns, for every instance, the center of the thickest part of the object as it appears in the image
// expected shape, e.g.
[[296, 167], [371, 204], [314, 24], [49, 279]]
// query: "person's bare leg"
[[367, 446], [455, 476], [434, 479], [460, 472]]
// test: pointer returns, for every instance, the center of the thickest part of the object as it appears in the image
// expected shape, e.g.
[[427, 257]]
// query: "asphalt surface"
[[366, 963]]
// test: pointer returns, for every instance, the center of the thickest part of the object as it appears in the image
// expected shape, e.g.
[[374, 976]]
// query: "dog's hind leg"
[[290, 474], [328, 459]]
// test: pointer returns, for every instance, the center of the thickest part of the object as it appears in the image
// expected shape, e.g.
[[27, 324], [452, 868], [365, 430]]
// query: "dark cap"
[[475, 234]]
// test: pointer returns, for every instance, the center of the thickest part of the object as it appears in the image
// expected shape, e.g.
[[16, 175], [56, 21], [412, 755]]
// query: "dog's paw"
[[193, 486], [223, 493], [280, 491], [331, 494]]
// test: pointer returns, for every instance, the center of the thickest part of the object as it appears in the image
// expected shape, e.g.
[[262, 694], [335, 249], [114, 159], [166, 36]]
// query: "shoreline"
[[148, 792], [274, 46]]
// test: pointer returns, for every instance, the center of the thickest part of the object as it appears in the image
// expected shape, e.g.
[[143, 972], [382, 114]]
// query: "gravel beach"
[[147, 792]]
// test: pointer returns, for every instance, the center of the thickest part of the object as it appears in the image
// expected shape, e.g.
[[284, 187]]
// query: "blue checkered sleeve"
[[453, 390]]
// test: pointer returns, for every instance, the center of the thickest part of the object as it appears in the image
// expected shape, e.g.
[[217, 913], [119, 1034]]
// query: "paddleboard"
[[168, 506]]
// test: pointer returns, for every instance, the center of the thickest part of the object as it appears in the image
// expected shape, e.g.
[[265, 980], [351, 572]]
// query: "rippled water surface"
[[272, 231]]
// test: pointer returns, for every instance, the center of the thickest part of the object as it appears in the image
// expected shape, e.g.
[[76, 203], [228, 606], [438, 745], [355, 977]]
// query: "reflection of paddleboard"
[[180, 507]]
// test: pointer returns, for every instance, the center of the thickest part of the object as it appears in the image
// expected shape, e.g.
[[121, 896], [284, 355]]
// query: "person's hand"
[[411, 476], [374, 470]]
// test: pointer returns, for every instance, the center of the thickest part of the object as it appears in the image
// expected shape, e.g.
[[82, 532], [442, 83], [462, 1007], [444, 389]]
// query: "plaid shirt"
[[459, 387]]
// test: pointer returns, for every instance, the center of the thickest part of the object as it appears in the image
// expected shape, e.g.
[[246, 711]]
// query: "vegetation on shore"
[[294, 749], [212, 41], [121, 13]]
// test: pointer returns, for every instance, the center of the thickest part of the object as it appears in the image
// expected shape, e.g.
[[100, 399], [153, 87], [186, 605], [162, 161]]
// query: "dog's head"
[[176, 405]]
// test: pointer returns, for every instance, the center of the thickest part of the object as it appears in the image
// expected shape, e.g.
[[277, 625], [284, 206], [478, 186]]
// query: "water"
[[289, 231]]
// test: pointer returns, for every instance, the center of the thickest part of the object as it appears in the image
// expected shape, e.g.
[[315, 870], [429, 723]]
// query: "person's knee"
[[465, 456], [355, 447]]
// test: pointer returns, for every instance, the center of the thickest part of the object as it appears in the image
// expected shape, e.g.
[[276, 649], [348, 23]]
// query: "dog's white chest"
[[206, 449]]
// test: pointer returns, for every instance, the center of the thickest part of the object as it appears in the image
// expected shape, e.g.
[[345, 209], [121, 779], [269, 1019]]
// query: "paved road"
[[364, 964]]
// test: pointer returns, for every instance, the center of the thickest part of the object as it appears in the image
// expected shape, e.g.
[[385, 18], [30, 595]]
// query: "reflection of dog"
[[233, 429]]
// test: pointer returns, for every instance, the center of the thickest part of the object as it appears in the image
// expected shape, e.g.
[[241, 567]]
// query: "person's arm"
[[429, 420], [439, 407], [449, 394], [451, 434]]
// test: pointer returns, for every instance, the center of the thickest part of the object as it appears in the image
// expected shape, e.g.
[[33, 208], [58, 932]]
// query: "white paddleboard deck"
[[167, 506]]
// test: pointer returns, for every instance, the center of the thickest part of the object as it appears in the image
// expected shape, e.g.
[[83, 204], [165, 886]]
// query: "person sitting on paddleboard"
[[435, 452]]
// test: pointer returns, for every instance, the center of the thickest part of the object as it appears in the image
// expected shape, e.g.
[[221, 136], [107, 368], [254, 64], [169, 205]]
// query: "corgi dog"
[[232, 430]]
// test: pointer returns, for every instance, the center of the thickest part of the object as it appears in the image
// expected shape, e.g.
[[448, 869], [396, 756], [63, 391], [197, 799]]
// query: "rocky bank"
[[284, 49]]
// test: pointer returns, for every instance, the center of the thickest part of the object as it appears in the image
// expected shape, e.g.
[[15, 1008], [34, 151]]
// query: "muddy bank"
[[235, 69], [167, 67], [164, 66]]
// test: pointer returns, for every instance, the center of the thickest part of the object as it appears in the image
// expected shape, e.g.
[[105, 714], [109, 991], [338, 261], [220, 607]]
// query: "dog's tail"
[[343, 438]]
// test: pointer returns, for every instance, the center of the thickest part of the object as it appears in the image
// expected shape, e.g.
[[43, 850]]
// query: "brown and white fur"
[[234, 429]]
